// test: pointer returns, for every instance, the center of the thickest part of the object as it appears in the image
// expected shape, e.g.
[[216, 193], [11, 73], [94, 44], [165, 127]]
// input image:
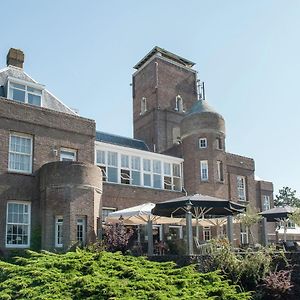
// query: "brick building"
[[59, 176]]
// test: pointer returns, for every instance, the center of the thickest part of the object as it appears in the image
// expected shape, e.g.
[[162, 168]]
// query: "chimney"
[[15, 57]]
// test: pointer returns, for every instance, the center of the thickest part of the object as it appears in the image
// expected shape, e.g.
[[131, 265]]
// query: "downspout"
[[156, 146]]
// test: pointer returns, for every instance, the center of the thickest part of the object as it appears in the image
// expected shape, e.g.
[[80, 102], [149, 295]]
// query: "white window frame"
[[266, 205], [143, 105], [207, 233], [12, 80], [241, 188], [59, 229], [202, 143], [179, 104], [81, 224], [135, 168], [22, 136], [204, 170], [244, 234], [66, 157], [28, 224]]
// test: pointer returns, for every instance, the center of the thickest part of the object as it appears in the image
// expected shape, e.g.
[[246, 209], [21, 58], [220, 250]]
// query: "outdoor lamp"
[[188, 205]]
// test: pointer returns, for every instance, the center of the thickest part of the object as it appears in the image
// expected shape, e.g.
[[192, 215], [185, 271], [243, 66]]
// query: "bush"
[[103, 275]]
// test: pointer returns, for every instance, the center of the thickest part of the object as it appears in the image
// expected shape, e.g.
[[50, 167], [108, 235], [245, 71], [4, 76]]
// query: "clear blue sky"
[[247, 52]]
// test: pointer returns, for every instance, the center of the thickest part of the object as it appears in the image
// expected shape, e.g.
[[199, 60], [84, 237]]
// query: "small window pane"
[[147, 165], [112, 174], [34, 99], [157, 181], [18, 95], [167, 168], [136, 178], [100, 157], [156, 166], [135, 163], [112, 159], [147, 180], [176, 170], [124, 161]]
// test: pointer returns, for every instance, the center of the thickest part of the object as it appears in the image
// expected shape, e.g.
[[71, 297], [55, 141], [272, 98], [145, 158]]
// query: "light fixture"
[[188, 205]]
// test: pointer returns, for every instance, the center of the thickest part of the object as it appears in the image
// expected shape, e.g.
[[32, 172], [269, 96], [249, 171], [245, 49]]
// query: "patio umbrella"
[[203, 206], [278, 214], [141, 215], [200, 207]]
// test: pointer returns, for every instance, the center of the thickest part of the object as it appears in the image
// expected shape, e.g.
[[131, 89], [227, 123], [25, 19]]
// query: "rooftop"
[[167, 54], [121, 141]]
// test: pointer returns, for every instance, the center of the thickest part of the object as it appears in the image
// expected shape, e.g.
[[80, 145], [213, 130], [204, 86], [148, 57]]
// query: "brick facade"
[[73, 190]]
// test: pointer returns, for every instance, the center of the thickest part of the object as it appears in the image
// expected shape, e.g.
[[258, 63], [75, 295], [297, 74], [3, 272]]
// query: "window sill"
[[19, 173], [13, 246]]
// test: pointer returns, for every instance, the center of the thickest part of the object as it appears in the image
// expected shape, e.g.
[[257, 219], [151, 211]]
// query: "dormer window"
[[25, 92], [179, 104]]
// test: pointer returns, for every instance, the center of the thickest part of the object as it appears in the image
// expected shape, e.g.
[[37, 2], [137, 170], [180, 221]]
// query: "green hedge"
[[103, 275]]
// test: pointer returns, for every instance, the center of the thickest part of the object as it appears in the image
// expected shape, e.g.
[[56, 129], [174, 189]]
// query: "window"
[[59, 231], [176, 177], [101, 162], [266, 203], [147, 172], [202, 143], [20, 153], [67, 154], [219, 143], [206, 233], [18, 225], [179, 104], [106, 211], [204, 170], [22, 92], [112, 169], [167, 177], [244, 235], [220, 170], [81, 230], [143, 105], [157, 174], [125, 172], [175, 232], [136, 170], [241, 188], [100, 157]]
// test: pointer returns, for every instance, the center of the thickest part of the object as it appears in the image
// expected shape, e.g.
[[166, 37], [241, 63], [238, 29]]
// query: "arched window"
[[143, 105], [179, 104]]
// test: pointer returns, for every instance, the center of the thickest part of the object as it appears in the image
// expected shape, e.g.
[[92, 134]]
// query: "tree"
[[287, 196], [248, 219]]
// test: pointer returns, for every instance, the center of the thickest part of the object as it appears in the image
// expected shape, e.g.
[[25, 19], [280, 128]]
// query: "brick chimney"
[[15, 57]]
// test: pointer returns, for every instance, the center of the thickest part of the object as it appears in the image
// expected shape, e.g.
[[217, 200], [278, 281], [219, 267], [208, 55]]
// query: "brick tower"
[[164, 87]]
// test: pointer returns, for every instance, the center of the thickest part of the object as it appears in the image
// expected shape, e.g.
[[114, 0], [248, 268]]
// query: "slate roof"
[[121, 141], [49, 100]]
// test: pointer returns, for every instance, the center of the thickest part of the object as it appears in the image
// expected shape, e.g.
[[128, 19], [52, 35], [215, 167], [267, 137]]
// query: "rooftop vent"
[[15, 57]]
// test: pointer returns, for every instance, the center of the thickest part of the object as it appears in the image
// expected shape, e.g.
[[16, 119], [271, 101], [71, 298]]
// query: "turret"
[[203, 146]]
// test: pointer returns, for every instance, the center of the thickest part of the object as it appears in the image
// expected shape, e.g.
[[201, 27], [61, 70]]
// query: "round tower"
[[203, 145]]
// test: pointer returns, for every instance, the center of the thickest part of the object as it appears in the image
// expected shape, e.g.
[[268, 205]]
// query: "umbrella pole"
[[284, 230], [150, 237], [264, 232], [230, 229], [189, 233]]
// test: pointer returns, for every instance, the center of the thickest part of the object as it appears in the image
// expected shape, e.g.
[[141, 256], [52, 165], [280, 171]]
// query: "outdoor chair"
[[202, 249]]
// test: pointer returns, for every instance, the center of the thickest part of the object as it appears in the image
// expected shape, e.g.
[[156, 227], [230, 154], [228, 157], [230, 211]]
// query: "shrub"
[[103, 275]]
